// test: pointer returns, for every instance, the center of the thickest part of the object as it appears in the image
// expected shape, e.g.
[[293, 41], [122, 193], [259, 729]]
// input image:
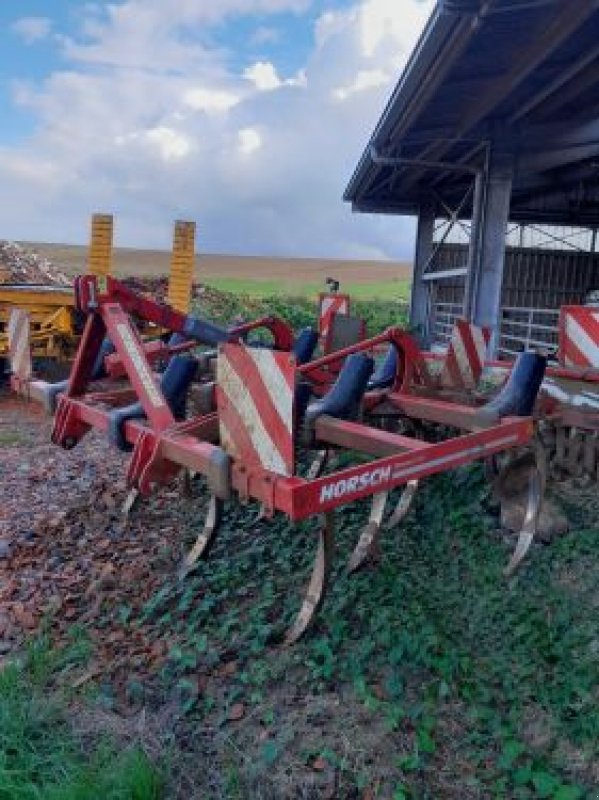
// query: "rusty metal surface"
[[206, 538], [366, 548], [318, 581]]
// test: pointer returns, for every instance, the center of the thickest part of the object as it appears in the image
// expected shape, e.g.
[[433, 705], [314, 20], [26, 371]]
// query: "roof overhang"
[[515, 77]]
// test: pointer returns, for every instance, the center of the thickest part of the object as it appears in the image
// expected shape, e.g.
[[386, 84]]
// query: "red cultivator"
[[567, 406], [268, 403]]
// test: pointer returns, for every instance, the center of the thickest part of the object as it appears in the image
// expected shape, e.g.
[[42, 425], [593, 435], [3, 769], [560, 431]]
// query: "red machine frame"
[[162, 446]]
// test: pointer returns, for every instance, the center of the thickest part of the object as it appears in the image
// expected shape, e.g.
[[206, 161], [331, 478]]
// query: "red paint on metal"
[[258, 425], [329, 305], [331, 491]]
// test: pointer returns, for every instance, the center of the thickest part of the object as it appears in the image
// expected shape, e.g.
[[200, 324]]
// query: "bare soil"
[[71, 565], [130, 261]]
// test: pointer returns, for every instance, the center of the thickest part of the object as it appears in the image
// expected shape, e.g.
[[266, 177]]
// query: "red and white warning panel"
[[466, 355], [255, 390], [329, 305], [579, 336], [19, 346]]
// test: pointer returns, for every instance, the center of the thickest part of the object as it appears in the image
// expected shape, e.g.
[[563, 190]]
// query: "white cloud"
[[249, 140], [365, 79], [383, 21], [149, 119], [172, 145], [263, 75], [210, 100], [32, 29]]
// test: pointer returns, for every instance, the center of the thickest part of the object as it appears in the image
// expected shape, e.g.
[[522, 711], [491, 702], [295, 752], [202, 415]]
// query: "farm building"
[[491, 138]]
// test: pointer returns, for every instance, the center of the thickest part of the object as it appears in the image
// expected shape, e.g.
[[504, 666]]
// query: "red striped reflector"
[[579, 336], [329, 305], [255, 402], [465, 356]]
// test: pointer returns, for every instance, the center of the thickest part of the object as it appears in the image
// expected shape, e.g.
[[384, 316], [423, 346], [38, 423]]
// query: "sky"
[[247, 116]]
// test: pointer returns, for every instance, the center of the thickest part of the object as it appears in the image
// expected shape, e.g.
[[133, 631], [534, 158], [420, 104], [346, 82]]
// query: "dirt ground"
[[73, 566], [128, 261], [188, 671]]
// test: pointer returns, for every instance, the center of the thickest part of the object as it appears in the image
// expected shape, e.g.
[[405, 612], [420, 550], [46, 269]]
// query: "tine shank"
[[403, 504], [206, 538], [130, 502], [318, 583], [529, 526], [316, 467], [367, 542]]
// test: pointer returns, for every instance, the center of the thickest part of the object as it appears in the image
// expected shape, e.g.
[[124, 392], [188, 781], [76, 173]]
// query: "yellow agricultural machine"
[[41, 321]]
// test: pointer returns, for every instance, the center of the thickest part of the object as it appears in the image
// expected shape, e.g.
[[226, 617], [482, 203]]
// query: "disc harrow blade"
[[317, 586], [206, 538], [366, 548]]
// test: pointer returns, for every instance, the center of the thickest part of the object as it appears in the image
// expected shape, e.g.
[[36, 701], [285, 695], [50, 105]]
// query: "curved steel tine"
[[316, 467], [318, 582], [541, 463], [404, 504], [261, 515], [367, 542], [130, 502], [206, 537], [185, 485], [529, 526]]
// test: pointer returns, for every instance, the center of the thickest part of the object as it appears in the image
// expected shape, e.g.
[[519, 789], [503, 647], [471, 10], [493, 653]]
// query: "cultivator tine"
[[130, 502], [318, 582], [186, 483], [529, 526], [316, 467], [536, 492], [367, 543], [206, 538], [404, 504]]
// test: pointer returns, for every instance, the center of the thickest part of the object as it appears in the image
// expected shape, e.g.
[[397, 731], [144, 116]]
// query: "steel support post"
[[419, 300], [476, 225], [488, 266]]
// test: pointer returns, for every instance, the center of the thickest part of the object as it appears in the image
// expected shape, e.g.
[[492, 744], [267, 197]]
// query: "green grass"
[[300, 311], [40, 756], [467, 662], [429, 678], [10, 438], [383, 290]]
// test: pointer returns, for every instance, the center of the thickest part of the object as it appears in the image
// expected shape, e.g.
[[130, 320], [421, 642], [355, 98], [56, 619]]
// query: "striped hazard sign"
[[255, 397], [329, 305], [579, 336], [19, 345], [465, 355]]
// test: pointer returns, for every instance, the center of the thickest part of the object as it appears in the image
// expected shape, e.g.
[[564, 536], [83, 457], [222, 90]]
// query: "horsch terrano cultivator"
[[266, 405], [567, 407]]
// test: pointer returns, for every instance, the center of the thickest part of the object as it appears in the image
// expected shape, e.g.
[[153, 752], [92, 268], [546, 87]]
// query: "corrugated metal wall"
[[534, 278]]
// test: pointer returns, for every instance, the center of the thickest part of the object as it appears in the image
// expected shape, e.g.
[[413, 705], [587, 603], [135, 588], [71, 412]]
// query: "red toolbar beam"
[[331, 491]]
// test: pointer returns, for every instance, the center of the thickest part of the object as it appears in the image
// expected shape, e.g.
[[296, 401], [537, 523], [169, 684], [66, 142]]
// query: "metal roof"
[[520, 76]]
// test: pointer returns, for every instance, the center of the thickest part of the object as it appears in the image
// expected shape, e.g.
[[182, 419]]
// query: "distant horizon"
[[33, 245]]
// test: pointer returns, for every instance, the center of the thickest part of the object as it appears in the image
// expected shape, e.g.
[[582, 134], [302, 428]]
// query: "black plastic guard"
[[174, 384], [205, 332], [384, 374], [343, 398], [518, 395], [304, 345]]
